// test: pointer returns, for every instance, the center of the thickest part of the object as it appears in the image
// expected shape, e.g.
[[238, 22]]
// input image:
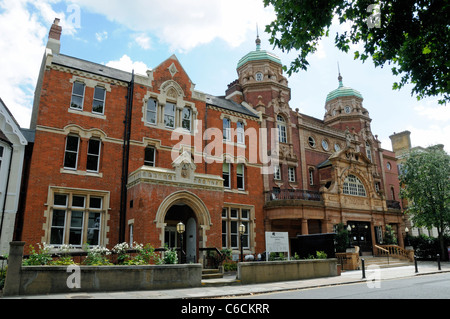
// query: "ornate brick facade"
[[124, 157]]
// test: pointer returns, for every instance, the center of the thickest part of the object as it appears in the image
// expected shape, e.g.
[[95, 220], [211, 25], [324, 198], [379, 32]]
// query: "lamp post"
[[242, 232], [181, 228], [349, 229], [407, 236]]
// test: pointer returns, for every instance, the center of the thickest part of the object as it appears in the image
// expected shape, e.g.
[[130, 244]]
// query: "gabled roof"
[[15, 128]]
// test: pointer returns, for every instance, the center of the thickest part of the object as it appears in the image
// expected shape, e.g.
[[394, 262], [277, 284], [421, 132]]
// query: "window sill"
[[80, 173], [236, 191], [84, 113]]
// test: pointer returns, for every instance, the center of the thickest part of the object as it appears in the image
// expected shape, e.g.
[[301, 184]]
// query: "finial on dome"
[[340, 78], [258, 40]]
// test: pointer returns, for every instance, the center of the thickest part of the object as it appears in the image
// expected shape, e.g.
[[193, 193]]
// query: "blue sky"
[[208, 37]]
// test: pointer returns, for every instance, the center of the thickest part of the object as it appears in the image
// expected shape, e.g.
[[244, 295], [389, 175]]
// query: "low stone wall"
[[273, 271], [43, 280]]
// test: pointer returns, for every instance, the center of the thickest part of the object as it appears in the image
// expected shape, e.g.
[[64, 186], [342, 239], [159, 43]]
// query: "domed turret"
[[258, 55], [342, 91]]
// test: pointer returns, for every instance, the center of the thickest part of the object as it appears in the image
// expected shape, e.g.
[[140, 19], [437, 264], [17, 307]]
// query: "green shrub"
[[42, 257]]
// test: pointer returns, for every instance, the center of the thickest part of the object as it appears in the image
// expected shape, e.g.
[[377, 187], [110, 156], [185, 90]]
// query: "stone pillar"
[[305, 230], [13, 280]]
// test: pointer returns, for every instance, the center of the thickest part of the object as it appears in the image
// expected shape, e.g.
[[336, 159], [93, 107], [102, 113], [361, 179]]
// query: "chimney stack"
[[54, 37]]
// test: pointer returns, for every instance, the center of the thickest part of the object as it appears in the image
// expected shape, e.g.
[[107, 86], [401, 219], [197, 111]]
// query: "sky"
[[208, 37]]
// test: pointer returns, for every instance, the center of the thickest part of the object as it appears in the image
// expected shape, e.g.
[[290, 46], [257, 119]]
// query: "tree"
[[342, 239], [412, 36], [425, 181]]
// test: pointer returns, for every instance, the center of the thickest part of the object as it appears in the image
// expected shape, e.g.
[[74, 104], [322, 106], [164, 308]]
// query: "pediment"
[[349, 154]]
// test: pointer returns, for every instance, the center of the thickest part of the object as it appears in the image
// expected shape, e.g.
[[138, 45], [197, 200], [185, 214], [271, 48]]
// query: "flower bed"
[[47, 272]]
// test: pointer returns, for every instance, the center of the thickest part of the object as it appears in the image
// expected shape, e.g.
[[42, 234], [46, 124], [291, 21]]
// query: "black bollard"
[[363, 269], [439, 261], [415, 264]]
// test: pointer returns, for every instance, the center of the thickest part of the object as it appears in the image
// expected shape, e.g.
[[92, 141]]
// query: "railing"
[[380, 251], [292, 194], [393, 204], [213, 258], [393, 251]]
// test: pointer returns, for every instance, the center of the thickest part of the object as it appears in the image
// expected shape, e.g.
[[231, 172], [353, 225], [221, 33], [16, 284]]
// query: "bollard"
[[415, 263], [363, 269], [439, 261]]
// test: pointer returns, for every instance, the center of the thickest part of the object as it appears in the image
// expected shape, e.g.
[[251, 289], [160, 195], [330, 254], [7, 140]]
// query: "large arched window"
[[354, 186]]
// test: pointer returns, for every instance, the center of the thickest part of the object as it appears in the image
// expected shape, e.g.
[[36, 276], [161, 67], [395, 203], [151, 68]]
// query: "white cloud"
[[22, 49], [126, 64], [143, 41], [430, 135], [101, 36], [433, 111], [185, 25]]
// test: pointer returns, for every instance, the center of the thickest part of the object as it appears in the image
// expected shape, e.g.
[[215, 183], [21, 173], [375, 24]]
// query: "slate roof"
[[230, 105], [91, 67], [103, 70]]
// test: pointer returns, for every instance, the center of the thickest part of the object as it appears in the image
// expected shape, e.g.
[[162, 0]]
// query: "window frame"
[[231, 223], [103, 101], [66, 151], [226, 129], [155, 112], [240, 177], [183, 120], [277, 172], [292, 174], [282, 129], [240, 132], [92, 155], [226, 174], [78, 96], [86, 210], [353, 186], [169, 116], [150, 163]]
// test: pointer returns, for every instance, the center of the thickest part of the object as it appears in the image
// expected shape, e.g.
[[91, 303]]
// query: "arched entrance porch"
[[189, 209]]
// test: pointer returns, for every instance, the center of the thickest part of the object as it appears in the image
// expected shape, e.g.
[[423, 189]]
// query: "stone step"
[[384, 262], [211, 274]]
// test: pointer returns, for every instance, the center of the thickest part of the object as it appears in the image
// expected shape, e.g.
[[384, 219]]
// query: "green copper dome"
[[259, 55], [343, 91]]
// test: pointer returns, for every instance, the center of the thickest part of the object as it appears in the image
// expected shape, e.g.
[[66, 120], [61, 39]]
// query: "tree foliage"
[[412, 36], [425, 181]]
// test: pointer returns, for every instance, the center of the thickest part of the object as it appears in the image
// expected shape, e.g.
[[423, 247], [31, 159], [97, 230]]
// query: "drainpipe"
[[125, 160], [6, 189]]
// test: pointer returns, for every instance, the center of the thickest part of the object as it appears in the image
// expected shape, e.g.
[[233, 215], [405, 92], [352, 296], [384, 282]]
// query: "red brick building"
[[124, 157]]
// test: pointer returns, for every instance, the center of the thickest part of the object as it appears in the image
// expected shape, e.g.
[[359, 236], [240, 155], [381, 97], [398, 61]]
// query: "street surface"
[[435, 286]]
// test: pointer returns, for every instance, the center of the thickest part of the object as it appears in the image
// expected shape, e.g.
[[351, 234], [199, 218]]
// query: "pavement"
[[229, 287]]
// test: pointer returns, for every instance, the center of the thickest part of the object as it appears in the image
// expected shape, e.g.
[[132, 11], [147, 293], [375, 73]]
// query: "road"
[[421, 287]]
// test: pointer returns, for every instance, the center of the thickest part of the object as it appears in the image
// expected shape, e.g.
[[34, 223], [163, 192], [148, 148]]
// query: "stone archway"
[[185, 198]]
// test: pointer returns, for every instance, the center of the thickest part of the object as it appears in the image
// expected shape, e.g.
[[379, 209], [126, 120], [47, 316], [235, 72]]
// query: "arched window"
[[282, 133], [354, 186]]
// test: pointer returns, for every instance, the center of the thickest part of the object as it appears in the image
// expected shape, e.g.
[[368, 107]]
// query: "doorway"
[[361, 235], [187, 241]]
